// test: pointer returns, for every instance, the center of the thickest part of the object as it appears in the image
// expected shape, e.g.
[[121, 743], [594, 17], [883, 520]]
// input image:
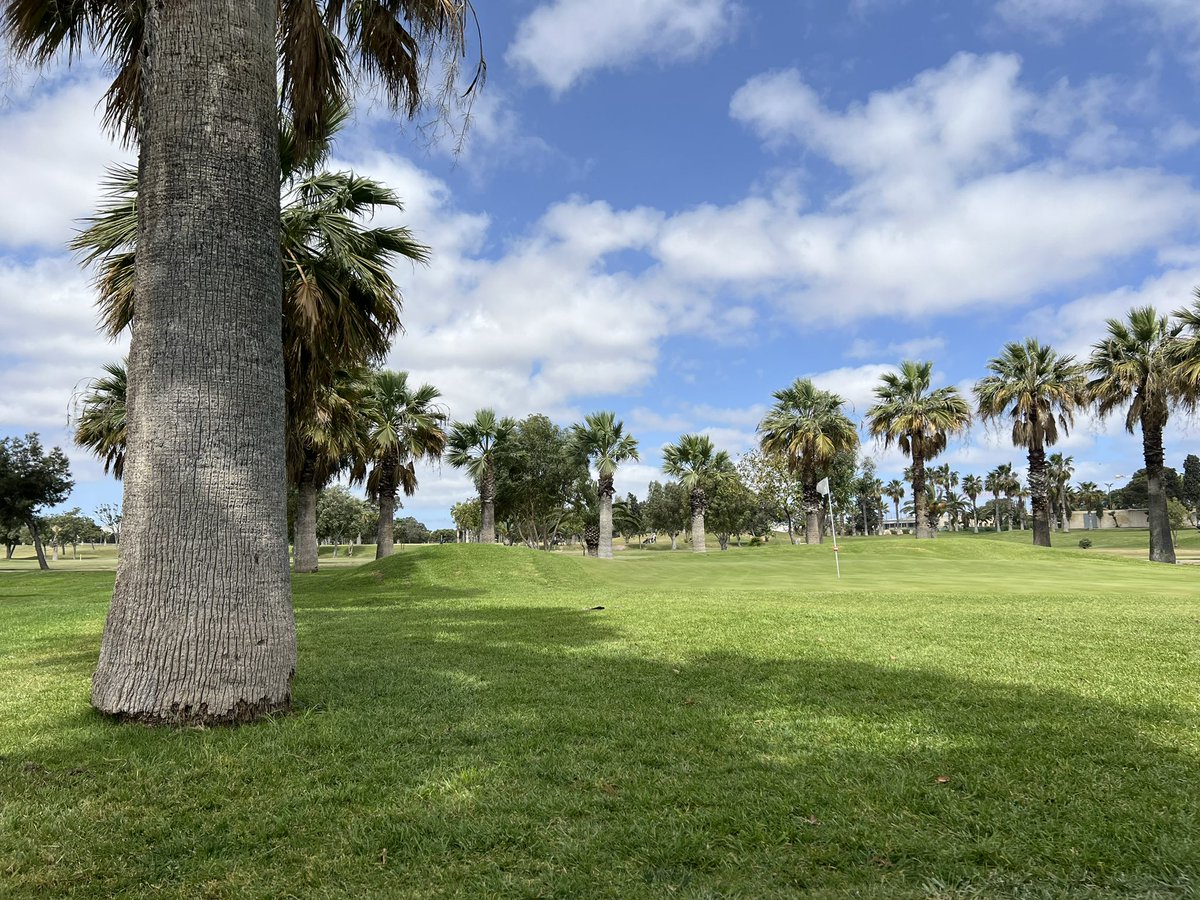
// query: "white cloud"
[[51, 161], [562, 41]]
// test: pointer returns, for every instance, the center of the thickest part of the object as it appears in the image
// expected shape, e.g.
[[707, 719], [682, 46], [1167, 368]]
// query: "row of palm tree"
[[1146, 365]]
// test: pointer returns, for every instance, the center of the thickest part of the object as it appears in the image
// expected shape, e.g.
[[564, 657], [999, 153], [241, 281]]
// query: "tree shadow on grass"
[[510, 749]]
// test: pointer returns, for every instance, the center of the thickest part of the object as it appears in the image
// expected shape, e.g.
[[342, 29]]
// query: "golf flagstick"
[[823, 488]]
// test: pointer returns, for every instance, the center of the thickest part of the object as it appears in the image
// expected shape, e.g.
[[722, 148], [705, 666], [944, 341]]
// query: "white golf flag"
[[823, 487]]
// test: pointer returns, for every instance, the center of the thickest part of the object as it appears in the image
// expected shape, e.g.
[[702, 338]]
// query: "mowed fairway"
[[966, 717]]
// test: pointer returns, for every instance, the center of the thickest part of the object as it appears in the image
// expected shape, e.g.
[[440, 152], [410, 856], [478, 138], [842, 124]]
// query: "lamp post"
[[1109, 484]]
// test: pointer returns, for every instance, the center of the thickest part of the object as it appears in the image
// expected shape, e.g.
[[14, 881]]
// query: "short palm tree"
[[324, 444], [895, 490], [920, 420], [807, 427], [601, 437], [1040, 391], [101, 427], [402, 425], [472, 446], [972, 486], [1137, 367], [698, 466], [1059, 470]]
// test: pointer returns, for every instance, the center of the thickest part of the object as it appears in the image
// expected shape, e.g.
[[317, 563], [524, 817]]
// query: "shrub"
[[755, 541], [1085, 543]]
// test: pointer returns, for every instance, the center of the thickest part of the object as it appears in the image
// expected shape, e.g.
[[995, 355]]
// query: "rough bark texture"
[[813, 511], [201, 629], [1039, 497], [921, 529], [305, 554], [606, 526], [698, 505], [1162, 548], [1066, 515], [487, 507], [385, 533], [38, 549]]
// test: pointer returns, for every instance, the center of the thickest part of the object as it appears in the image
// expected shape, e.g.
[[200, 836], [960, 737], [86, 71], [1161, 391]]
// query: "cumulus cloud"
[[562, 41]]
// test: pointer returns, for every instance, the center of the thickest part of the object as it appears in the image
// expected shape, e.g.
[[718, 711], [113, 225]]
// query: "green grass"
[[741, 724]]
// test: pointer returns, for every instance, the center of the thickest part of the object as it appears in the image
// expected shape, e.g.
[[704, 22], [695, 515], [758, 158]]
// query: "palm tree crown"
[[807, 427], [1040, 391], [694, 461], [472, 446], [403, 425], [919, 419], [101, 427], [602, 438]]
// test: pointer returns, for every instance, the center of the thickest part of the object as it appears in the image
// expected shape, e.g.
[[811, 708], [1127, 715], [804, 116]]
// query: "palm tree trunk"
[[698, 504], [204, 634], [974, 517], [812, 513], [606, 523], [306, 519], [1039, 496], [920, 500], [896, 504], [1162, 548], [1066, 515], [487, 507], [385, 532]]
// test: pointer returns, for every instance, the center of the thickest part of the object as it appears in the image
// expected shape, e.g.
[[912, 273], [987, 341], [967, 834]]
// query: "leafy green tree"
[[339, 516], [627, 518], [30, 479], [472, 446], [443, 536], [731, 508], [1040, 391], [867, 491], [71, 527], [467, 519], [206, 389], [1135, 493], [540, 469], [403, 425], [699, 467], [409, 531], [780, 495], [1136, 368], [1189, 487], [667, 510], [603, 440], [809, 428], [920, 420]]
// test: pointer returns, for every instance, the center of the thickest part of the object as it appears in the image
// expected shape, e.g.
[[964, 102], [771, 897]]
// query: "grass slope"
[[968, 717]]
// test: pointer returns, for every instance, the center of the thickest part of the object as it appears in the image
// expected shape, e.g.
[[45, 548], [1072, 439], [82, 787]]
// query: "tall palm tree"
[[807, 427], [698, 466], [404, 425], [995, 482], [341, 306], [472, 446], [328, 441], [920, 420], [895, 490], [972, 486], [101, 427], [1137, 367], [1059, 470], [602, 438], [1040, 391], [206, 394]]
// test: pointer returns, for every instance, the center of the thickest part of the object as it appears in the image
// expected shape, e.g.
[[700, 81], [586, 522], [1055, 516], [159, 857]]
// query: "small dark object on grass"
[[1085, 543], [591, 608]]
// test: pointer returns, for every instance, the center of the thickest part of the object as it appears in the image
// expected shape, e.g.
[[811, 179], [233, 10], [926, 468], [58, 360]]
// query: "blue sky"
[[672, 208]]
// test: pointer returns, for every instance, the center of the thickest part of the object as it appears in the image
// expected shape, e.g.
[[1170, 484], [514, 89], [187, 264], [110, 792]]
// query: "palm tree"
[[1138, 366], [919, 420], [403, 425], [807, 427], [101, 427], [601, 437], [1059, 470], [472, 446], [895, 490], [326, 443], [972, 486], [698, 466], [341, 306], [995, 482], [206, 379], [1040, 391]]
